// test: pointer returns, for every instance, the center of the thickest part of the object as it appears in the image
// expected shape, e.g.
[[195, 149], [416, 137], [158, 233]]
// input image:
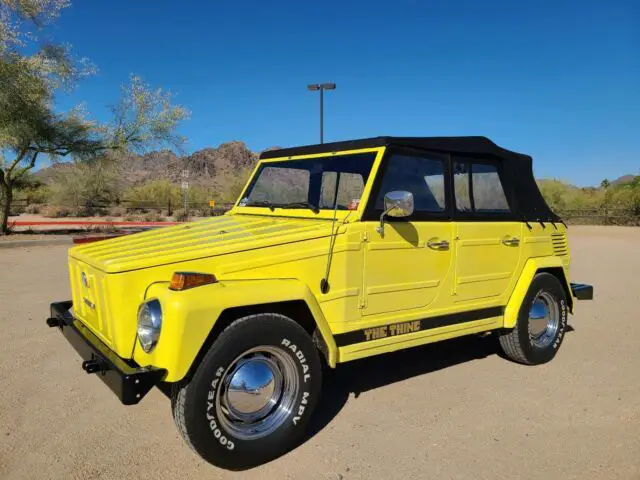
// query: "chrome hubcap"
[[258, 392], [251, 387], [544, 319]]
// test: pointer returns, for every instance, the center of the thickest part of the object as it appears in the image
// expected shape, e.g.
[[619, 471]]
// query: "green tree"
[[85, 186], [29, 126]]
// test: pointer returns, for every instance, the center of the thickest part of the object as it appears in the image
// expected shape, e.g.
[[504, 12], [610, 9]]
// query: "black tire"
[[198, 419], [517, 344]]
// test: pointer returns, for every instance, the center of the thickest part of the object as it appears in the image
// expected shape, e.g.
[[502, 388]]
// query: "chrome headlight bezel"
[[149, 324]]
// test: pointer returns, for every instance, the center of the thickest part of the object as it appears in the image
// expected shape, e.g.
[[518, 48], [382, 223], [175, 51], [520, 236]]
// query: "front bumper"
[[127, 380], [582, 291]]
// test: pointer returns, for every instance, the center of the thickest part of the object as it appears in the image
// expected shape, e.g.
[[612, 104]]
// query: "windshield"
[[317, 183]]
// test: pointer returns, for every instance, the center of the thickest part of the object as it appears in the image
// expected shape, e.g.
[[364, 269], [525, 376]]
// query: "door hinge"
[[365, 236], [362, 303]]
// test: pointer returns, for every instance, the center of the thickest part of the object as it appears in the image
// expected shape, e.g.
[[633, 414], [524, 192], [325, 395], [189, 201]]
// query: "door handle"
[[511, 241], [438, 245]]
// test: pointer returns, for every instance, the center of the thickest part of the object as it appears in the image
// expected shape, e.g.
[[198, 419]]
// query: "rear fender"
[[190, 316], [533, 266]]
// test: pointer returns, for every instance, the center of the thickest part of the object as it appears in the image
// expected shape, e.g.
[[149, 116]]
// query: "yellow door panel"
[[487, 258], [402, 272]]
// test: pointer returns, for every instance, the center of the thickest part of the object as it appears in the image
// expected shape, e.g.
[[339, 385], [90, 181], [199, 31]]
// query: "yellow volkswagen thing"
[[332, 253]]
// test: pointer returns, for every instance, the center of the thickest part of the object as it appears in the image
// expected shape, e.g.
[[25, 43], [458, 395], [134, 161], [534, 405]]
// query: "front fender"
[[533, 266], [189, 317]]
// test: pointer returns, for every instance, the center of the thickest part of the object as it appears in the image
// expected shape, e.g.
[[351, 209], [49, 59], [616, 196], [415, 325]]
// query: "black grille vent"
[[560, 245]]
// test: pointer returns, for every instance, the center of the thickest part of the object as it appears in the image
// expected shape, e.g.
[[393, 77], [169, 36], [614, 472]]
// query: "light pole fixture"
[[321, 87]]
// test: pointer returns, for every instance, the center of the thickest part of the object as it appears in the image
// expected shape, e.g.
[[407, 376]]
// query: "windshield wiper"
[[308, 205], [273, 206], [262, 203]]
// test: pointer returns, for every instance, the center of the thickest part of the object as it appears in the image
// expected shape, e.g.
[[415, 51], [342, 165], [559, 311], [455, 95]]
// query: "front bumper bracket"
[[125, 378]]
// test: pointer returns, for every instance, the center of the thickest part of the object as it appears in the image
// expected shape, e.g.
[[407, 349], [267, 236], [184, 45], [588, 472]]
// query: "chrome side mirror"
[[397, 204]]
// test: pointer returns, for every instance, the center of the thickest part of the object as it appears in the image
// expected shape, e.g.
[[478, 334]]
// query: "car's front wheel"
[[541, 324], [253, 394]]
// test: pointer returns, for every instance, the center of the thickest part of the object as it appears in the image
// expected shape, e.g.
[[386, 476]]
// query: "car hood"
[[202, 239]]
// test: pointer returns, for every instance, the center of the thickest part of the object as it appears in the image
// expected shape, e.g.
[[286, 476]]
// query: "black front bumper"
[[582, 291], [127, 380]]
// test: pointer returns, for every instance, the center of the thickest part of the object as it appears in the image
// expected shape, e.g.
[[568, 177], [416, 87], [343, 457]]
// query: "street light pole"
[[321, 115], [321, 87]]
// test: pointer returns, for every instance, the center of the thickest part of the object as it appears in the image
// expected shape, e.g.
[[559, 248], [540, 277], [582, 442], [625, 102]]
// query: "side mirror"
[[397, 204]]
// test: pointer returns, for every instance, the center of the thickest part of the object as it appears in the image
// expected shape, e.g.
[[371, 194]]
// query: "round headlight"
[[149, 324]]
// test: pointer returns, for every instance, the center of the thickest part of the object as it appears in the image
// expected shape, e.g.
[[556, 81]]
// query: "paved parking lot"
[[455, 410]]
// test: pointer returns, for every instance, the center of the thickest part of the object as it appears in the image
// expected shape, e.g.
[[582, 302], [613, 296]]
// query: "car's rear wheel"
[[541, 323], [253, 394]]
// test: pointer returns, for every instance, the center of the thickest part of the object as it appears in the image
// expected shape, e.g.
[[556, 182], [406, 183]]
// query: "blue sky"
[[559, 80]]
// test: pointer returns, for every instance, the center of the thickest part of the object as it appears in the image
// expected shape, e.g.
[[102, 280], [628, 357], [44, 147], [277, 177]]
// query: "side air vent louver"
[[560, 246]]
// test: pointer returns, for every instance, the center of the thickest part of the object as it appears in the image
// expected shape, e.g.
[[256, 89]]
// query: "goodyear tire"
[[253, 394], [542, 321]]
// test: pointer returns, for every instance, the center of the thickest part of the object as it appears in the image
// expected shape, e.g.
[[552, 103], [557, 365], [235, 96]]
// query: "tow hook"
[[54, 322], [95, 365]]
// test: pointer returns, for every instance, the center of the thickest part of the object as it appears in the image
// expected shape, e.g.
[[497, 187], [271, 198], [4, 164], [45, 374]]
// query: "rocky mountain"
[[207, 166], [623, 179]]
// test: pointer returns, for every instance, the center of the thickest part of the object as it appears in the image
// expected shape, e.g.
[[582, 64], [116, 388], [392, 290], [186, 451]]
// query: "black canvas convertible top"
[[478, 145], [517, 167]]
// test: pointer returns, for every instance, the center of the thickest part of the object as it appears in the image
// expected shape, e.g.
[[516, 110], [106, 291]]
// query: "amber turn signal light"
[[186, 280]]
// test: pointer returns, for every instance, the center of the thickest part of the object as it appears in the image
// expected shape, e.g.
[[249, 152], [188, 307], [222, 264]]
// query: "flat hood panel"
[[201, 239]]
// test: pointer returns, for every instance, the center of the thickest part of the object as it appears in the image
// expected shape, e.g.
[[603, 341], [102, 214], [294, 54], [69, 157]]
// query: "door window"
[[422, 176]]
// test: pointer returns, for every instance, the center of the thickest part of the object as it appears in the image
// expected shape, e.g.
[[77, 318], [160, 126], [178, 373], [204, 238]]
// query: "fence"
[[124, 207], [601, 217]]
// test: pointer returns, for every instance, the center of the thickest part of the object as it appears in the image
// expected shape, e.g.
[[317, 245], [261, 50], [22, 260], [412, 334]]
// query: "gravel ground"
[[455, 410]]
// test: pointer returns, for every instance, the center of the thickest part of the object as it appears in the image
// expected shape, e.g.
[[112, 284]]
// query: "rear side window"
[[478, 188]]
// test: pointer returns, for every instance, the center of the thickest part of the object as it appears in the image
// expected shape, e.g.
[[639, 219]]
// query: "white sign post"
[[185, 188]]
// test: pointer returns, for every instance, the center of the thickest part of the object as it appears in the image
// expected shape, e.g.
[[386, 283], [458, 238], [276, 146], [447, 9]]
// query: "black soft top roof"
[[464, 145], [517, 168]]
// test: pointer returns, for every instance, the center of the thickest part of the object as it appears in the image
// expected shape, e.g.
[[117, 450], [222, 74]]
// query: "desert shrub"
[[154, 194], [117, 211], [84, 187], [54, 211], [33, 208], [16, 209], [227, 186], [182, 215], [133, 217], [153, 216], [36, 195]]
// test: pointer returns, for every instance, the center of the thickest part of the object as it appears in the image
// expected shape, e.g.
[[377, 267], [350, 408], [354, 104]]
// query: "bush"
[[34, 208], [153, 216], [154, 194], [89, 212], [84, 186], [201, 212], [52, 211], [16, 210], [182, 215], [133, 217], [117, 211]]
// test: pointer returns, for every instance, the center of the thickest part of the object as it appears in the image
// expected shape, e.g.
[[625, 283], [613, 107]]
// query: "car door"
[[487, 234], [406, 263]]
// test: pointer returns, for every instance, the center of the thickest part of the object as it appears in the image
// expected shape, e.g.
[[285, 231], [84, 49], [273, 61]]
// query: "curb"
[[36, 243], [52, 223]]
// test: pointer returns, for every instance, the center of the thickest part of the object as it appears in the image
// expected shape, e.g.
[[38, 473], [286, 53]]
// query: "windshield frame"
[[307, 213]]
